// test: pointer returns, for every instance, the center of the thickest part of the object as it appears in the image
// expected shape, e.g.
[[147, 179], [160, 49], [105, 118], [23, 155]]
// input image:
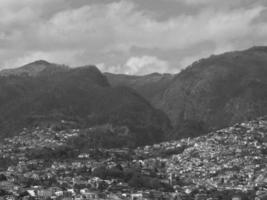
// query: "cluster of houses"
[[229, 161]]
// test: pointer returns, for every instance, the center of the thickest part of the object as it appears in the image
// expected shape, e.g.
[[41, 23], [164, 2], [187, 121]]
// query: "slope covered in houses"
[[225, 164]]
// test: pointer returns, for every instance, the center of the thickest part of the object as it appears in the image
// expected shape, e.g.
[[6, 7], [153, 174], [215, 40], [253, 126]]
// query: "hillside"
[[223, 164], [149, 86], [216, 92], [210, 94], [81, 96]]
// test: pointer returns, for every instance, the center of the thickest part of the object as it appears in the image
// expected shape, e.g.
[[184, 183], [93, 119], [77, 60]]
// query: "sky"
[[128, 36]]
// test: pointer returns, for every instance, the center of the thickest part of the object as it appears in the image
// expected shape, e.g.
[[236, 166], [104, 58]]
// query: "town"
[[44, 163]]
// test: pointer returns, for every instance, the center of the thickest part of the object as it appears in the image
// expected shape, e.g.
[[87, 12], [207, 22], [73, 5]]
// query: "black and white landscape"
[[138, 100]]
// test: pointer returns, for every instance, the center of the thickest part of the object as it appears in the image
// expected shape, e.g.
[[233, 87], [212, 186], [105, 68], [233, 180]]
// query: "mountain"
[[81, 96], [149, 86], [210, 94], [216, 92], [34, 69]]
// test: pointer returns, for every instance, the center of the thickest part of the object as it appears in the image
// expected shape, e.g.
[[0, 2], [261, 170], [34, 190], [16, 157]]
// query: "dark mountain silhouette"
[[212, 93], [217, 92], [52, 93]]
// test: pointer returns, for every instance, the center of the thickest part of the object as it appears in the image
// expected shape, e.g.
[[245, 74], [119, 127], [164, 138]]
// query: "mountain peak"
[[218, 91], [34, 68], [91, 68], [82, 95], [90, 73], [40, 62]]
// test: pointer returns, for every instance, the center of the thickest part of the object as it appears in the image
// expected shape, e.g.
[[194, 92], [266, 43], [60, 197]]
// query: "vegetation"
[[81, 96]]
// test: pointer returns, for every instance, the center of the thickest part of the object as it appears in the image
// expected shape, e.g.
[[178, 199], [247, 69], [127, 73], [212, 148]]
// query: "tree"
[[115, 172], [3, 177], [100, 172]]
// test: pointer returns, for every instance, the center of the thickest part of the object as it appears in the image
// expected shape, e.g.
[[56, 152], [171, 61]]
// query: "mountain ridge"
[[34, 69], [211, 93], [149, 86], [219, 91], [81, 95]]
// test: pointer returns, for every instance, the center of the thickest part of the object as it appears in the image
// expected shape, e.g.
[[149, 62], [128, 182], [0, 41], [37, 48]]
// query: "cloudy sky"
[[127, 36]]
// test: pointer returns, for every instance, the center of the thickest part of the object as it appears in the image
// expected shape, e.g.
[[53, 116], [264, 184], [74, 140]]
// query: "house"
[[201, 197], [156, 194], [71, 191], [10, 197], [236, 197], [114, 197], [90, 195], [44, 193], [59, 193], [137, 196], [78, 197]]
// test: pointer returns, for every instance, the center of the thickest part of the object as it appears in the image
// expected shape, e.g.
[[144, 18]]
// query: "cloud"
[[138, 65], [221, 4], [145, 65], [118, 26], [197, 2], [106, 32]]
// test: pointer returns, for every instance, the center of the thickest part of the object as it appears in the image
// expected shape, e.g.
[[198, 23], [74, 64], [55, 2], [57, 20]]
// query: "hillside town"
[[44, 163]]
